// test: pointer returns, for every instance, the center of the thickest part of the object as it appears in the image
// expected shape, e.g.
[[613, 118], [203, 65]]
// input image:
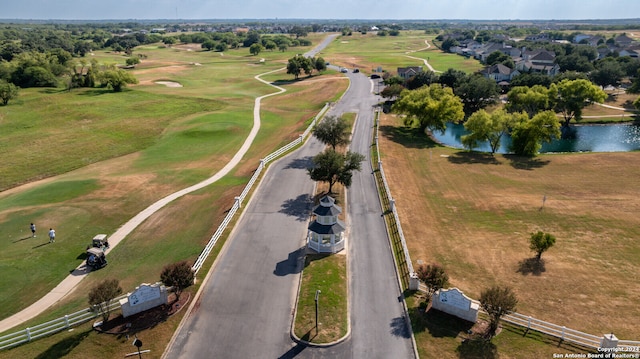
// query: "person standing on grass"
[[52, 235], [33, 229]]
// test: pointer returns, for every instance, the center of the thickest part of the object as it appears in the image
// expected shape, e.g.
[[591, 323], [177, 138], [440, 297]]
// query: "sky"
[[319, 9]]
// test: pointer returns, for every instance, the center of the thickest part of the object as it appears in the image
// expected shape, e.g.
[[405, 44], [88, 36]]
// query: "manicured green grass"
[[182, 137], [189, 148], [48, 132], [442, 61], [369, 51], [327, 273], [50, 193]]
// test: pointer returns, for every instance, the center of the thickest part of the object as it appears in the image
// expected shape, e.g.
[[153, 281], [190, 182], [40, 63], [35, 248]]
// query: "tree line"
[[429, 101]]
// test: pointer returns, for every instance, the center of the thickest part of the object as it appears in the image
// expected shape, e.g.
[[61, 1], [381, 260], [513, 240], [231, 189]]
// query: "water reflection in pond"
[[588, 138]]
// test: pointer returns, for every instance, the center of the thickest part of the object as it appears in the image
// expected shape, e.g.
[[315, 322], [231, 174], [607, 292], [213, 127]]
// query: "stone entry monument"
[[454, 302], [145, 297]]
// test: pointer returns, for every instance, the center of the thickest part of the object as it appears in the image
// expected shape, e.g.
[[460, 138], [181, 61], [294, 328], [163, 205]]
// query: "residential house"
[[623, 40], [540, 61], [408, 72], [483, 52], [499, 73]]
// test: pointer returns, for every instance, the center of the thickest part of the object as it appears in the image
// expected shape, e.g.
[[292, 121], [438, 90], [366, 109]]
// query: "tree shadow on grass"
[[64, 347], [439, 324], [477, 349], [526, 163], [407, 136], [468, 157], [531, 266], [283, 82], [97, 92]]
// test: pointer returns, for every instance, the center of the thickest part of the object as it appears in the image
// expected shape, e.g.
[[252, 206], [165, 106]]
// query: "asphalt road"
[[246, 308]]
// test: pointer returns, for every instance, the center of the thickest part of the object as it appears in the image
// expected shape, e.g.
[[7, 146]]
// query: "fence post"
[[563, 329], [529, 323], [66, 321], [28, 332], [379, 164], [392, 204], [414, 282], [238, 202], [301, 137]]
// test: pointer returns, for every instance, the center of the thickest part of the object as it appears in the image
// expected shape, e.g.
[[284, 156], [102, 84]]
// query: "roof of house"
[[498, 69], [410, 69]]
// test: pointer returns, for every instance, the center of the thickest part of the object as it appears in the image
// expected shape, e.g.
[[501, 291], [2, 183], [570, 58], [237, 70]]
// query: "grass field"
[[474, 213], [187, 147], [368, 52], [327, 273]]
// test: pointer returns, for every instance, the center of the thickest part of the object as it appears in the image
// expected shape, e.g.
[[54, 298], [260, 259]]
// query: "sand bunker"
[[169, 83]]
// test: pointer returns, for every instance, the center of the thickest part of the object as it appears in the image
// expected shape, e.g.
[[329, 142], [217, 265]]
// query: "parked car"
[[355, 71], [343, 70], [375, 76]]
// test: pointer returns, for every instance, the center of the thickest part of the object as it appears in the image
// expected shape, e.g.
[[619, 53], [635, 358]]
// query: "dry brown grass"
[[474, 214]]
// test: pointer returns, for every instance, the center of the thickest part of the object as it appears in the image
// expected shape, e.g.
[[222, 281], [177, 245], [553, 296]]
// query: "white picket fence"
[[70, 320], [236, 205], [564, 333], [54, 326], [403, 242]]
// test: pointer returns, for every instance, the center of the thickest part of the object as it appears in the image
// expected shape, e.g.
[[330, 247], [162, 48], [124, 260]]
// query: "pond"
[[588, 138]]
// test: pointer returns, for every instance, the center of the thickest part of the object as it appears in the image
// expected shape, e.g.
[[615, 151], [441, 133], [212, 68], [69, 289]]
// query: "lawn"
[[369, 51], [176, 137], [328, 274], [474, 213]]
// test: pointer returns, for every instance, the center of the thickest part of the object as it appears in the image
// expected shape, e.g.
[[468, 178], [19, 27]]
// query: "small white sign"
[[455, 298], [144, 293]]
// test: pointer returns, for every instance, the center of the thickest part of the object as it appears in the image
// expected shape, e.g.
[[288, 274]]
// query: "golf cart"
[[96, 258], [100, 241]]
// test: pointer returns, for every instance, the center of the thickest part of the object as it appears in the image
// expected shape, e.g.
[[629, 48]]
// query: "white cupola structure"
[[326, 231]]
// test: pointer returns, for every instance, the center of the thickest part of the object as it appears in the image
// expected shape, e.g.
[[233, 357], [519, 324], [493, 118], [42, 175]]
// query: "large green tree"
[[8, 91], [528, 134], [531, 99], [298, 64], [116, 79], [332, 131], [574, 95], [255, 49], [101, 295], [490, 127], [429, 107], [497, 301], [178, 276], [477, 92], [607, 73], [333, 167], [434, 277]]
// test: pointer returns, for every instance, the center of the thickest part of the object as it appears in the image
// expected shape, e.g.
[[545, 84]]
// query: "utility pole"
[[317, 297]]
